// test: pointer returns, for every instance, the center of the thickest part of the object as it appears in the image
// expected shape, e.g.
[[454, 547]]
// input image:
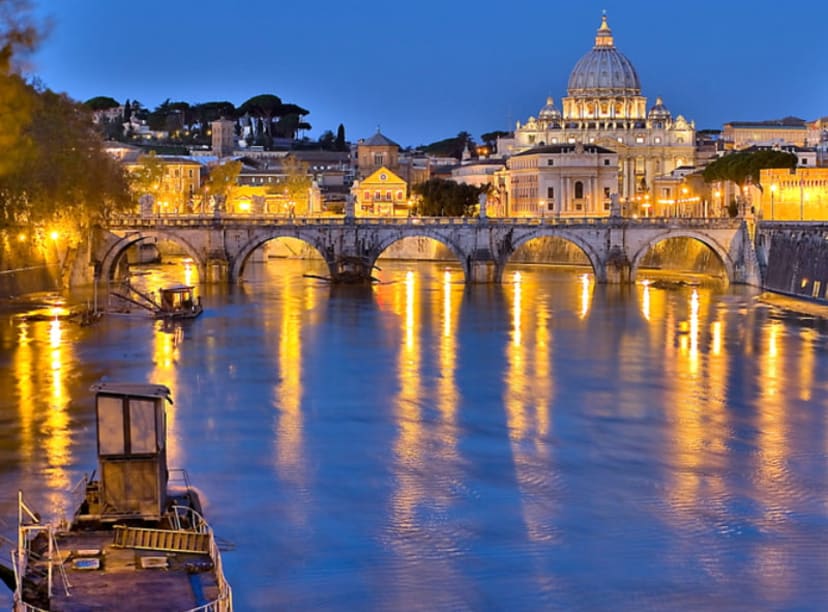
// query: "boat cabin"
[[178, 299], [132, 452]]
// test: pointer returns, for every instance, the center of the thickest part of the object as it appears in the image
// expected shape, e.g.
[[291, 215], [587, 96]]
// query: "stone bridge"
[[615, 246]]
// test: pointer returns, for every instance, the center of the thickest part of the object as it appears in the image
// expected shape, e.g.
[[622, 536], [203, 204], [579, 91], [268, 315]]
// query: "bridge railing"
[[196, 221]]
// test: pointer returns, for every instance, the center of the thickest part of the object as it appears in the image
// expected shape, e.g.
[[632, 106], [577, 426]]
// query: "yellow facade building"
[[381, 194], [794, 196]]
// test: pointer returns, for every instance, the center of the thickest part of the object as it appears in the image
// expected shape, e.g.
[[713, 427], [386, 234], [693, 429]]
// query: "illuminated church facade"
[[604, 107]]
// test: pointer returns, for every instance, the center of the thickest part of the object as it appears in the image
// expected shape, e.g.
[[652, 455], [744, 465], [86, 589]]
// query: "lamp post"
[[773, 193]]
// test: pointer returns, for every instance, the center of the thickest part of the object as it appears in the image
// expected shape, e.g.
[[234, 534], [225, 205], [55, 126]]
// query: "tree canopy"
[[742, 167], [64, 174], [451, 147], [444, 198], [101, 103], [53, 167]]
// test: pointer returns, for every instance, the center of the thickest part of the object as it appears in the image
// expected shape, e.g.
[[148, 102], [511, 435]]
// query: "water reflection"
[[528, 384], [423, 445]]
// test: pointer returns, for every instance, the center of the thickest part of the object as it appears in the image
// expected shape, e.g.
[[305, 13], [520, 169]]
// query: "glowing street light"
[[54, 235]]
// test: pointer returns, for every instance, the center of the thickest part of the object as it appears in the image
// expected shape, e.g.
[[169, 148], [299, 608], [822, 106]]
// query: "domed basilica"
[[604, 107]]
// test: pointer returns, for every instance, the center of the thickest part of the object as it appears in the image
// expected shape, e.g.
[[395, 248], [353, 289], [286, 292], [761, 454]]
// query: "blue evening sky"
[[426, 70]]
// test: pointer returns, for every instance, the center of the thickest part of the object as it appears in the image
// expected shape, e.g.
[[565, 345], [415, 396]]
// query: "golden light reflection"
[[774, 451], [288, 392], [645, 300], [527, 399], [24, 374], [698, 411], [807, 363], [517, 308], [586, 295], [165, 356], [188, 271], [408, 449]]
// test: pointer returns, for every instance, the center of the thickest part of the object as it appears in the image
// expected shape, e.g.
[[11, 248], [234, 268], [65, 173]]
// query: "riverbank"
[[793, 304]]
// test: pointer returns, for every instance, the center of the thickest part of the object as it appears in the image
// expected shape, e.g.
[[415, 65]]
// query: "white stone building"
[[604, 107]]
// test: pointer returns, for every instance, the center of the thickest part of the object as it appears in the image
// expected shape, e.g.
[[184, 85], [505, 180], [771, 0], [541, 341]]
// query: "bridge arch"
[[598, 265], [117, 250], [379, 247], [721, 252], [259, 240]]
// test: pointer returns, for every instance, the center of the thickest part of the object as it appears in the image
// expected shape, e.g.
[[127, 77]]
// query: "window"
[[579, 190], [110, 426], [607, 192], [142, 426], [550, 192], [803, 162], [658, 139], [571, 141], [606, 162], [639, 139], [531, 139], [379, 159], [550, 162]]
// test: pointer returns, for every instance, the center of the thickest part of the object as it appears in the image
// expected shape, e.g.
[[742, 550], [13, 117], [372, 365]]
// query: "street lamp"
[[773, 193]]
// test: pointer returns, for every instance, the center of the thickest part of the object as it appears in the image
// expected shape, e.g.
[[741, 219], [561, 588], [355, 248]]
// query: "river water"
[[545, 444]]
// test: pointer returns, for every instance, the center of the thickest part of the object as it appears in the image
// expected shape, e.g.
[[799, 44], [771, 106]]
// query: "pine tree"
[[127, 111], [339, 143]]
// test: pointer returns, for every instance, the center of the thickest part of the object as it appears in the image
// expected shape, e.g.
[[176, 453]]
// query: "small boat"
[[175, 302], [138, 539], [178, 302]]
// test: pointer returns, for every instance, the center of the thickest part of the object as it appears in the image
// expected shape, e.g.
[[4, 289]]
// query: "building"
[[801, 194], [223, 134], [739, 135], [375, 153], [604, 107], [561, 180], [381, 194], [180, 185]]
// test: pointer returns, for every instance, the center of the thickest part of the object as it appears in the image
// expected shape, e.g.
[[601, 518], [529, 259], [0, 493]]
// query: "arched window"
[[579, 190]]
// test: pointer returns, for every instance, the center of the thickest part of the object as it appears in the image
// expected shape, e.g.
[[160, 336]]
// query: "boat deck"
[[163, 581]]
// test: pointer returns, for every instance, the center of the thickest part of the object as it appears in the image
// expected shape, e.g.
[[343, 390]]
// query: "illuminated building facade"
[[794, 196], [381, 194], [604, 107], [559, 180]]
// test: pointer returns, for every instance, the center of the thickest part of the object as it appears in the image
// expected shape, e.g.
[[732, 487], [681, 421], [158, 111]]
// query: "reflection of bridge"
[[615, 247]]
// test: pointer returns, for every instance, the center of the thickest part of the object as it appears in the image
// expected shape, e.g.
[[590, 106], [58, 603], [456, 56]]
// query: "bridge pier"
[[482, 268], [618, 269], [217, 270]]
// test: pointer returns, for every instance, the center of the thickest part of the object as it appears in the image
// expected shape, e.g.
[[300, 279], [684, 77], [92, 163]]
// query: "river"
[[418, 445]]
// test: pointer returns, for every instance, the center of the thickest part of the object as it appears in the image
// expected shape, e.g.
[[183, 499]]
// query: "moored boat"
[[138, 539]]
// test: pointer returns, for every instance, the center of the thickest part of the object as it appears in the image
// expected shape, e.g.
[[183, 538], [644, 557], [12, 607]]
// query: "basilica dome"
[[604, 71]]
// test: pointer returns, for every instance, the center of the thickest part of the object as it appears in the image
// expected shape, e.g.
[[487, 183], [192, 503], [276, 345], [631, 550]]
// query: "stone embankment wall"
[[46, 268], [795, 261]]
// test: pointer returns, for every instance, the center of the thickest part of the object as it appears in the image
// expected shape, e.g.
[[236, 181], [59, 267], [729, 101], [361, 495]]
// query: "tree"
[[742, 167], [66, 176], [19, 36], [443, 198], [222, 182], [451, 147], [339, 143], [296, 184], [327, 140], [101, 103], [147, 177], [265, 106], [490, 139]]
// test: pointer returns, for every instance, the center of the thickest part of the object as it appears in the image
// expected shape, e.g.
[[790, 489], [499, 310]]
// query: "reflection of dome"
[[549, 112], [659, 111], [604, 71]]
